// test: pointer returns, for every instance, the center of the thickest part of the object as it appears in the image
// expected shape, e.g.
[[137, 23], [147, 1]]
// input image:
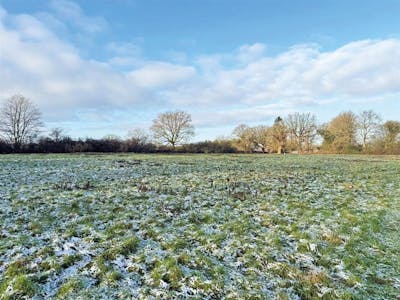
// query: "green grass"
[[73, 285], [201, 226]]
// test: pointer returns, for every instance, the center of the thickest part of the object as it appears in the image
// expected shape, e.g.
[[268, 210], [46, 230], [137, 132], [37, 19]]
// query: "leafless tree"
[[20, 119], [261, 137], [140, 135], [302, 129], [251, 138], [57, 134], [172, 128], [245, 137], [369, 124]]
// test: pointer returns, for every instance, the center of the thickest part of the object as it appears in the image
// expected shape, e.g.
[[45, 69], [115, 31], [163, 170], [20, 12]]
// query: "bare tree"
[[251, 138], [172, 128], [261, 137], [57, 134], [140, 135], [368, 123], [20, 119], [302, 129], [245, 137]]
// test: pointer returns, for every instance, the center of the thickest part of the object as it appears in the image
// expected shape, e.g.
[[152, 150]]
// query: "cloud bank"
[[246, 85]]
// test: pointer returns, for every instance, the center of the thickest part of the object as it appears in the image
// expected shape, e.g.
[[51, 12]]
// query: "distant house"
[[260, 148]]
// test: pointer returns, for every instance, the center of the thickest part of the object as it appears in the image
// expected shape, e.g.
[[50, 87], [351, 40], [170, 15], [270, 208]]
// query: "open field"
[[199, 226]]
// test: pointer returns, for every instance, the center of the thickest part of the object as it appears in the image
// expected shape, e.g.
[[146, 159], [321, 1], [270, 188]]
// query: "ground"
[[199, 226]]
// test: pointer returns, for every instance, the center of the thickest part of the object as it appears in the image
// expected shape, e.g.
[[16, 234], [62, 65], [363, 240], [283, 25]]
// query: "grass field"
[[199, 226]]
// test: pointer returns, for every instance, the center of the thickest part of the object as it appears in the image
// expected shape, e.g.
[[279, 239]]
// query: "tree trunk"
[[279, 149]]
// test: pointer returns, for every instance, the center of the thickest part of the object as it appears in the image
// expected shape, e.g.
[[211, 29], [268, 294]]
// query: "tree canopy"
[[20, 120], [172, 128]]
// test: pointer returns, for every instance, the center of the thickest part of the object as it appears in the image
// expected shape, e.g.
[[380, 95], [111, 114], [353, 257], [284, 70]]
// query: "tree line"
[[365, 132], [345, 133]]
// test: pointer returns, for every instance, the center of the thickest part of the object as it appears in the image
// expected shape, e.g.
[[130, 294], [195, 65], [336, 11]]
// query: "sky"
[[106, 67]]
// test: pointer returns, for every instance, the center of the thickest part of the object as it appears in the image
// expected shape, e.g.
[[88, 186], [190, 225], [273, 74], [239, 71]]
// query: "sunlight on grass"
[[217, 226]]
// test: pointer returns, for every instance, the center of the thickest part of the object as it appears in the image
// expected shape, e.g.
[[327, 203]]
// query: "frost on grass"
[[216, 226]]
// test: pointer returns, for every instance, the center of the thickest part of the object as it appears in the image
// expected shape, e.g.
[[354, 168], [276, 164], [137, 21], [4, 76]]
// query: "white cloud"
[[360, 69], [37, 63], [160, 74], [253, 114], [249, 53], [125, 55], [71, 12], [246, 85]]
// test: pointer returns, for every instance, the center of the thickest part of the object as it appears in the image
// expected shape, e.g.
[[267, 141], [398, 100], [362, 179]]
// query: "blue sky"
[[105, 67]]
